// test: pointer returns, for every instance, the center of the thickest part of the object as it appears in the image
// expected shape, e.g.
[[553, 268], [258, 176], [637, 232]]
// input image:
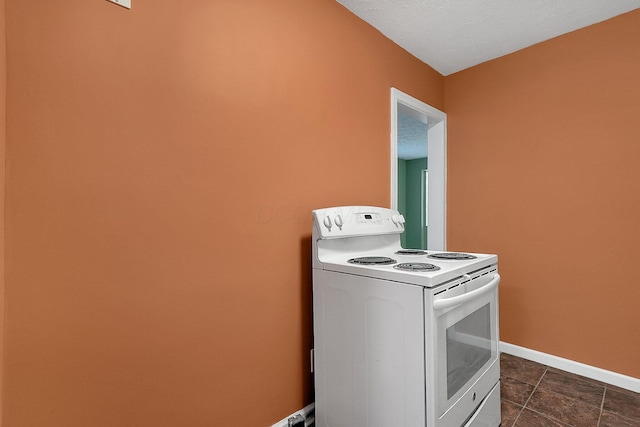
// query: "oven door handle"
[[461, 299]]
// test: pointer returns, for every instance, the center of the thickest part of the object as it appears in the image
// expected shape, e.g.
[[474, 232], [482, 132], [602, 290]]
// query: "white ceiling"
[[451, 35]]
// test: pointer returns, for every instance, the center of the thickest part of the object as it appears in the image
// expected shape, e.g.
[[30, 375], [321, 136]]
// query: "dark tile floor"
[[536, 395]]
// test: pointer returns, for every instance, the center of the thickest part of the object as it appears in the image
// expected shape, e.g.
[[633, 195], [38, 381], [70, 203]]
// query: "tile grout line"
[[545, 415], [604, 393], [624, 416], [531, 395]]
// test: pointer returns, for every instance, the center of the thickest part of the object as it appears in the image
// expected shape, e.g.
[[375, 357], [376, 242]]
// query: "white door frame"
[[436, 121]]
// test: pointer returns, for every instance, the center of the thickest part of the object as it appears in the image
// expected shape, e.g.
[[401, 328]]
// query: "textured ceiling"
[[412, 138], [451, 35]]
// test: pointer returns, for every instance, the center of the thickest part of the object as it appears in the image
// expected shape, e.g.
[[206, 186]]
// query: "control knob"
[[339, 222], [327, 222]]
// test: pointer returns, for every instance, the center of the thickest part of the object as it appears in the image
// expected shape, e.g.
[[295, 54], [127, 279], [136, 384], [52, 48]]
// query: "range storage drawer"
[[488, 413]]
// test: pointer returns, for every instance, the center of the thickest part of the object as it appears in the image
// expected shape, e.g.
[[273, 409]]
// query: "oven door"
[[466, 363]]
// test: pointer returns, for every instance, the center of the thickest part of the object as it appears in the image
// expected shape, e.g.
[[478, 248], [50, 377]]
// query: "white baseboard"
[[305, 412], [609, 377]]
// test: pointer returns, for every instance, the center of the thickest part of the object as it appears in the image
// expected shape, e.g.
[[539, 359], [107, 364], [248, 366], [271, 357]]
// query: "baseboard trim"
[[305, 412], [609, 377]]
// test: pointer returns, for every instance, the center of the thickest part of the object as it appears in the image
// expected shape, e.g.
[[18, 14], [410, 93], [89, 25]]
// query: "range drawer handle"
[[461, 299]]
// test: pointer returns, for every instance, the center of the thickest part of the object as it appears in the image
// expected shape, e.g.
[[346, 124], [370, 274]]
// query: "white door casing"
[[436, 121]]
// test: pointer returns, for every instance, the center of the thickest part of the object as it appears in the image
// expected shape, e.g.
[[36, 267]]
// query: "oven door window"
[[469, 347], [466, 347]]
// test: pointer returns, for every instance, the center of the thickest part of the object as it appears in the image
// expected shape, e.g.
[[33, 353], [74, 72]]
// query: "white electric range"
[[402, 337]]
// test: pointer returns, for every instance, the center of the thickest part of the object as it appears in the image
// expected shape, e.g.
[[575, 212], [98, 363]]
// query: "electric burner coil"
[[411, 252], [372, 260], [416, 266], [452, 256]]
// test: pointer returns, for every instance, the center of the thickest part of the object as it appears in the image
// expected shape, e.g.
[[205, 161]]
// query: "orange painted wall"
[[162, 164], [543, 164], [3, 141]]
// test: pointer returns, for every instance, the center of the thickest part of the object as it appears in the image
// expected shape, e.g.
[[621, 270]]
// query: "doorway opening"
[[418, 170]]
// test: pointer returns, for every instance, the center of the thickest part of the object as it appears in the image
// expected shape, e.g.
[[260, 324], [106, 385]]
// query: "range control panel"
[[351, 221]]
